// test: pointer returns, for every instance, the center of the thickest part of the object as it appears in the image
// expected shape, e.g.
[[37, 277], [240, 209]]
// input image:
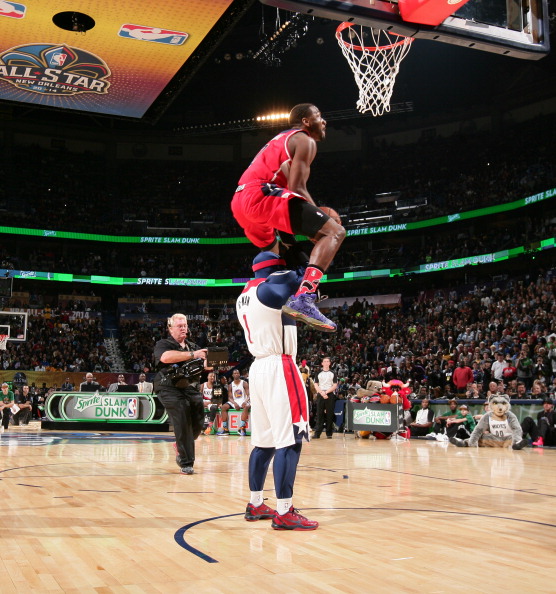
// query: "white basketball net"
[[4, 341], [374, 62]]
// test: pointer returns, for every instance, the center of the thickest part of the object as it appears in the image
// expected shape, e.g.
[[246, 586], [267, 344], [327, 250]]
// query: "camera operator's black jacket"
[[163, 370]]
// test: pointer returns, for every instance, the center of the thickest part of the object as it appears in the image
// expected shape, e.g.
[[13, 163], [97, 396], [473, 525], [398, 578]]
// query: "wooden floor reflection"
[[110, 513]]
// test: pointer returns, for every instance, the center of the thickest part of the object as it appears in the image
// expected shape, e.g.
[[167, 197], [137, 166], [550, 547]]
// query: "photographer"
[[177, 386]]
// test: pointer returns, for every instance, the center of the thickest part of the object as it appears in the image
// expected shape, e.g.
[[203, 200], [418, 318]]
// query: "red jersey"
[[272, 162]]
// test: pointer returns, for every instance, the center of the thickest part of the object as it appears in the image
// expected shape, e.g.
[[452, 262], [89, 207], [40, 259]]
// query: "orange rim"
[[344, 26]]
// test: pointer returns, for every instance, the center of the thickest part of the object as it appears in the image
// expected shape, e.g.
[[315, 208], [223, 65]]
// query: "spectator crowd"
[[468, 342]]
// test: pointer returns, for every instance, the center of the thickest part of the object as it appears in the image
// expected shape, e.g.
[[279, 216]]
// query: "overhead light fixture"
[[272, 117], [274, 120], [283, 39]]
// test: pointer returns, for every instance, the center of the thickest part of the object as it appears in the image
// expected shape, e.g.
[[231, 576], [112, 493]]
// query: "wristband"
[[192, 354]]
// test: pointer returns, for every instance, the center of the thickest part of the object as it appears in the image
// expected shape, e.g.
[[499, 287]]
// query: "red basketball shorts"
[[260, 209]]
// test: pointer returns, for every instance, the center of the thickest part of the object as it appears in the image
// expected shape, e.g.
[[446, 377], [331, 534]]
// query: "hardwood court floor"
[[109, 513]]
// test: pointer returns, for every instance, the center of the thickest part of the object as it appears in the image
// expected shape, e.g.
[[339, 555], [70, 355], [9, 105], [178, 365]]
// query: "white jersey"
[[422, 416], [499, 428], [265, 331], [279, 405], [207, 393], [238, 392]]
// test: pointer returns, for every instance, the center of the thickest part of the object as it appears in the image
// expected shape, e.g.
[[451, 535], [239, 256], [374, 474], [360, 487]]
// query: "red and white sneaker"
[[293, 520], [263, 512]]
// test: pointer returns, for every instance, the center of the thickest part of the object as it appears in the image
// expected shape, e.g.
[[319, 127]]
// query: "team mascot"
[[398, 392], [498, 428], [372, 394]]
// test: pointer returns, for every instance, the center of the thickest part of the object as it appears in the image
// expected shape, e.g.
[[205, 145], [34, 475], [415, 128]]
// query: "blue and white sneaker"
[[303, 308]]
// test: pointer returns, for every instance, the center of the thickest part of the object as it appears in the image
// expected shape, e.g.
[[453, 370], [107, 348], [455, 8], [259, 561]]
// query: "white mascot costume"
[[498, 428]]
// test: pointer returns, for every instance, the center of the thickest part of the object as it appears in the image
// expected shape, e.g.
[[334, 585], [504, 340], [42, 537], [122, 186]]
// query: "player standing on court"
[[279, 406], [272, 195]]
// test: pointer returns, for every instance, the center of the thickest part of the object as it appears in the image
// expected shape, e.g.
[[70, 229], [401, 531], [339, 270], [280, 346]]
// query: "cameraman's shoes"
[[302, 307], [293, 520], [263, 512]]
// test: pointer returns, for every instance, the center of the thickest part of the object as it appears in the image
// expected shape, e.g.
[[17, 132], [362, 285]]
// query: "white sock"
[[256, 498], [283, 506]]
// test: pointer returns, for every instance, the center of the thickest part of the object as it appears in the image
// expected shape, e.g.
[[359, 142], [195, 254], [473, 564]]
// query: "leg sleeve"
[[285, 468], [259, 461]]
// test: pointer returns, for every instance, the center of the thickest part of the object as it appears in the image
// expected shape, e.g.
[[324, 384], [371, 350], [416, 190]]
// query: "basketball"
[[331, 213], [384, 399]]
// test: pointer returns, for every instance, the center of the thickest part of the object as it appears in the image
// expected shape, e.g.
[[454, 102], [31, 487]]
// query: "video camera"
[[179, 376]]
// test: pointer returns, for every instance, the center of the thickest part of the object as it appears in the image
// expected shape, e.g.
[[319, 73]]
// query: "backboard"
[[16, 323], [517, 28]]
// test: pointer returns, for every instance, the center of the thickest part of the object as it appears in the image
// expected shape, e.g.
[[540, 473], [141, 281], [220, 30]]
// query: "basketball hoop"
[[375, 66], [4, 341]]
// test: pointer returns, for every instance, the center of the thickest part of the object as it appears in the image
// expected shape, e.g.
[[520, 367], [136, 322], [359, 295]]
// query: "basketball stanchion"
[[400, 425], [375, 65]]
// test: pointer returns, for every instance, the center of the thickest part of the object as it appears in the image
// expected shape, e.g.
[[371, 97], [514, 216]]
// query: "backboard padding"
[[517, 28]]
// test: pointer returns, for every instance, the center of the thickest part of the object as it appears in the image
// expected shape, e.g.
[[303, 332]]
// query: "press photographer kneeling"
[[180, 364]]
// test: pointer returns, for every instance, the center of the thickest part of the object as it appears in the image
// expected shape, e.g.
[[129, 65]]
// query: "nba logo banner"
[[132, 408], [13, 10], [153, 34]]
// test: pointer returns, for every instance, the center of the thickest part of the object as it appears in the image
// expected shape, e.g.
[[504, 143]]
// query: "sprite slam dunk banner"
[[365, 416], [334, 277], [132, 407], [104, 407], [376, 230], [373, 416]]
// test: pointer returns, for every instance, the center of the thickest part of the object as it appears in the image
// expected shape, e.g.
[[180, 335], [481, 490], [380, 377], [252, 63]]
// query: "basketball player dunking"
[[279, 406], [272, 195]]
